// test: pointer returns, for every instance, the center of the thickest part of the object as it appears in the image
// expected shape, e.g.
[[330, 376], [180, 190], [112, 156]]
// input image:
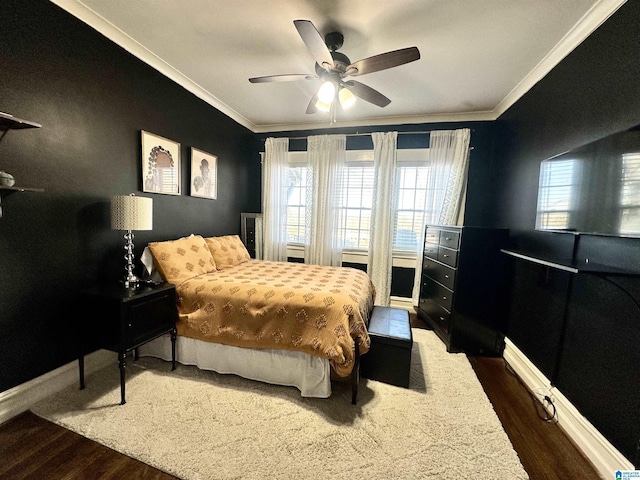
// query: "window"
[[356, 198], [296, 186], [629, 194], [558, 187], [411, 212]]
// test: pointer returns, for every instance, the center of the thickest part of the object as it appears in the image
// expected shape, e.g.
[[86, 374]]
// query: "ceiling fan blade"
[[367, 93], [315, 43], [384, 61], [282, 78], [312, 108]]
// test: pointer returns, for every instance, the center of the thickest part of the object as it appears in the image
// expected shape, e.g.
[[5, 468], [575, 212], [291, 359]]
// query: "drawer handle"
[[442, 318], [447, 238], [445, 255], [446, 276], [444, 298]]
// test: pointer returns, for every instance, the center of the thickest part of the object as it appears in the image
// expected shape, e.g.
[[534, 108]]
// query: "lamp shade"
[[129, 212], [347, 99], [327, 92]]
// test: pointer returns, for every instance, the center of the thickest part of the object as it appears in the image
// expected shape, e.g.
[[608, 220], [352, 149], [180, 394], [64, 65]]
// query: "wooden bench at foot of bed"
[[389, 357]]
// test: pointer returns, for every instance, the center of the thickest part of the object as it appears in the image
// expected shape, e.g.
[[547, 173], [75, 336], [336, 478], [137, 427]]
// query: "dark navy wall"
[[593, 92], [92, 99]]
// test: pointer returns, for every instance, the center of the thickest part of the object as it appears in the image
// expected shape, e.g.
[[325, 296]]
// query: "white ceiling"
[[477, 56]]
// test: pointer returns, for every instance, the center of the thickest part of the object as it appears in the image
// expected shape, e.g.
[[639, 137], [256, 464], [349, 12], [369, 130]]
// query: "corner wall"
[[593, 92], [92, 99]]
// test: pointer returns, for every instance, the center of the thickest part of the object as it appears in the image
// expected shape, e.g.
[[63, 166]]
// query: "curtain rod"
[[359, 134]]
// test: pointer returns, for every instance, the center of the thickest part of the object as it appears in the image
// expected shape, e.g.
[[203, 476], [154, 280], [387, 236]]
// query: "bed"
[[284, 323]]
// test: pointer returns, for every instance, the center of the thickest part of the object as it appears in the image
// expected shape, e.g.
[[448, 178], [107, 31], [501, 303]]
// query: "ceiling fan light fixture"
[[347, 99], [323, 106], [327, 93]]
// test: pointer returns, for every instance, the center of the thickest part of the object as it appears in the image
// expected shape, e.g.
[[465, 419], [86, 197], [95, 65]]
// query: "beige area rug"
[[202, 425]]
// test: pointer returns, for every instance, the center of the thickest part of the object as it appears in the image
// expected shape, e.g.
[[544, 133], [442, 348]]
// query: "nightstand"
[[121, 319]]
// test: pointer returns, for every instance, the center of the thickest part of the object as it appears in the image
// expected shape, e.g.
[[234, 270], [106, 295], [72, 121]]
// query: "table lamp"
[[129, 213]]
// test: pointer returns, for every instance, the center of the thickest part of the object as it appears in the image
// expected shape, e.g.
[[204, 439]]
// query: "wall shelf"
[[6, 191], [9, 122]]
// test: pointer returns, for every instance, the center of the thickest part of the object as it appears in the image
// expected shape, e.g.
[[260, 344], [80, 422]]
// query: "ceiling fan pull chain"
[[332, 110]]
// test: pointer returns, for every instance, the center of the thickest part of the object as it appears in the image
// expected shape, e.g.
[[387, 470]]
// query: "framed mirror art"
[[160, 164], [204, 174]]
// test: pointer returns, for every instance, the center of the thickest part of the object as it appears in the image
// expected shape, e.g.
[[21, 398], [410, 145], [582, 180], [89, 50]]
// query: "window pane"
[[413, 192], [367, 198], [558, 185], [407, 199], [629, 193], [296, 186], [355, 199]]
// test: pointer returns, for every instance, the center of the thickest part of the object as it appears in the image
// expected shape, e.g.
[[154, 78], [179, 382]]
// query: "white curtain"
[[380, 259], [449, 158], [326, 158], [274, 199]]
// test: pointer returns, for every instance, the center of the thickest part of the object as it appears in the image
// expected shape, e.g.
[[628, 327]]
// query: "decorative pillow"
[[227, 251], [180, 260], [147, 260]]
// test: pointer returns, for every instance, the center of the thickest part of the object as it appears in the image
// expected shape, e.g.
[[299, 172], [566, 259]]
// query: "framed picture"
[[160, 164], [204, 174]]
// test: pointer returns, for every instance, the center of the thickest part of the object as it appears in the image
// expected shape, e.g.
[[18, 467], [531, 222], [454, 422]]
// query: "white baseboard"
[[19, 399], [604, 456], [403, 303]]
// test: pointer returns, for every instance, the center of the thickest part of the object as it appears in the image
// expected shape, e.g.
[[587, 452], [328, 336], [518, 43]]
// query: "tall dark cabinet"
[[462, 293]]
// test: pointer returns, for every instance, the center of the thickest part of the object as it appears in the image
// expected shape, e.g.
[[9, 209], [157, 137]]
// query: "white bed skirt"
[[311, 375]]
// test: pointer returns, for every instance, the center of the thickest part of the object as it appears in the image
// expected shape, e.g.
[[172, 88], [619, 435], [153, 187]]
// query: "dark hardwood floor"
[[545, 451], [33, 448]]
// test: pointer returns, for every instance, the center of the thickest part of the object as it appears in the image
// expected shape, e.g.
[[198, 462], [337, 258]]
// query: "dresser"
[[463, 287]]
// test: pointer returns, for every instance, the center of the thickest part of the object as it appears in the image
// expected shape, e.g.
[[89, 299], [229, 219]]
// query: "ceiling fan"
[[334, 67]]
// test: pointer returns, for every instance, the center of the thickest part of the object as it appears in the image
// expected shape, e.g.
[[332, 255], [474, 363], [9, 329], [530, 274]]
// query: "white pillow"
[[147, 260]]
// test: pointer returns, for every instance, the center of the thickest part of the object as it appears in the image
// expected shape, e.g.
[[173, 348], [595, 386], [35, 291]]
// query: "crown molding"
[[85, 14], [399, 120], [589, 22]]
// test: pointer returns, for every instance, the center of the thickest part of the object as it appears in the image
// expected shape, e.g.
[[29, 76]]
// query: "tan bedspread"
[[290, 306]]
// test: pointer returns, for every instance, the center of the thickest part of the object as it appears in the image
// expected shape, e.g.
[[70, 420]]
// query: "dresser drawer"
[[432, 235], [450, 239], [440, 273], [431, 250], [448, 256], [438, 315], [437, 292]]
